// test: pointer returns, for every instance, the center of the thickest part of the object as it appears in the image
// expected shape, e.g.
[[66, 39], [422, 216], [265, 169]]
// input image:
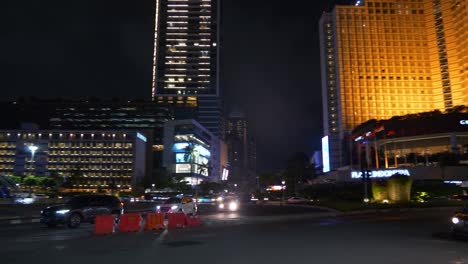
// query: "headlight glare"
[[233, 206], [174, 207], [455, 220], [64, 211]]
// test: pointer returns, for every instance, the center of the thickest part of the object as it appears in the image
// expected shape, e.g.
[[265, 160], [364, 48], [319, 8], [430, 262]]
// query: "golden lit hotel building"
[[384, 58]]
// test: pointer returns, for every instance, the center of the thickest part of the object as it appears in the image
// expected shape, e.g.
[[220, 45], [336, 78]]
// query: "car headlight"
[[174, 207], [221, 206], [158, 207], [219, 199], [455, 220], [233, 206], [62, 211]]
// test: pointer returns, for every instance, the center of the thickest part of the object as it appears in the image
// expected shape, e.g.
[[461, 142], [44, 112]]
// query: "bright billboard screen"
[[325, 155]]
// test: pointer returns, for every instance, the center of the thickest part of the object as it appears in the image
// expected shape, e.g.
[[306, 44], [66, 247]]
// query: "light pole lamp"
[[283, 187], [33, 150]]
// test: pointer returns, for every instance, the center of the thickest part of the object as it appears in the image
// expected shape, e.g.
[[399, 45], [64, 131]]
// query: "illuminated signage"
[[202, 151], [197, 149], [180, 146], [325, 155], [454, 182], [225, 175], [276, 188], [183, 168], [181, 158], [202, 170], [381, 173], [140, 136], [464, 122]]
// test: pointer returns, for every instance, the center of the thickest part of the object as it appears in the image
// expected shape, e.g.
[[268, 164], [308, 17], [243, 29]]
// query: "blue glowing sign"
[[181, 146], [325, 155], [140, 136]]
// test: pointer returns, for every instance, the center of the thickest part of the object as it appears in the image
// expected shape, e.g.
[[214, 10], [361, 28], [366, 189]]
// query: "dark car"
[[79, 209], [460, 222]]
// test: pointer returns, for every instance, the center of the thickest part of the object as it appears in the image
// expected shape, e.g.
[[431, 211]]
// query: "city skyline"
[[270, 61]]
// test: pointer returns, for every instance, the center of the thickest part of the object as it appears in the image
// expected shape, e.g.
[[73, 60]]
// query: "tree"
[[296, 172], [48, 182], [74, 178], [207, 187], [267, 179], [30, 181], [180, 184]]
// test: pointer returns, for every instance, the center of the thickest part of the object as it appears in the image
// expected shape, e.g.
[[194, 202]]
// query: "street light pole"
[[283, 188], [33, 149]]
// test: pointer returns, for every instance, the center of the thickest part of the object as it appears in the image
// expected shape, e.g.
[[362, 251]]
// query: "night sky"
[[270, 60]]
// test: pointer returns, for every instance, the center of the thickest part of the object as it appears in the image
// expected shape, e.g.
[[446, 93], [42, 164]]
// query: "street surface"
[[398, 237]]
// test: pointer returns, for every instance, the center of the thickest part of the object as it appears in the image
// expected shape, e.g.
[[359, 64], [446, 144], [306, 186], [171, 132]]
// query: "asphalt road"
[[33, 210], [404, 237]]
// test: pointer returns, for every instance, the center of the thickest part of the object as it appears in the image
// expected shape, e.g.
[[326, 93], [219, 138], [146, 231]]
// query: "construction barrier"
[[130, 223], [193, 221], [154, 221], [104, 224], [176, 220]]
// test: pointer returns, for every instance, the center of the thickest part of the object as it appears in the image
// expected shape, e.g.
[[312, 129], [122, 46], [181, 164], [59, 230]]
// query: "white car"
[[297, 200], [176, 204]]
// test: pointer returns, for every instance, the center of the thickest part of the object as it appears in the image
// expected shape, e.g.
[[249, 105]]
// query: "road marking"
[[162, 236]]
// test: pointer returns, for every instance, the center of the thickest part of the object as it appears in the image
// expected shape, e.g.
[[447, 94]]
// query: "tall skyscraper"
[[241, 149], [383, 58], [186, 60]]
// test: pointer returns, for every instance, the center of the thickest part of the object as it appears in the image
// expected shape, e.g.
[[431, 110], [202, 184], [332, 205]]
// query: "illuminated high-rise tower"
[[186, 59], [383, 58]]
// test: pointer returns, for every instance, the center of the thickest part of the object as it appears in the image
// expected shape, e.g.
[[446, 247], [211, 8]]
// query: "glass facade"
[[185, 48], [186, 60], [192, 151]]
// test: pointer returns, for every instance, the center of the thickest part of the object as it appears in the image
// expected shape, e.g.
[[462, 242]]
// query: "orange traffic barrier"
[[193, 221], [176, 220], [154, 221], [130, 222], [104, 224]]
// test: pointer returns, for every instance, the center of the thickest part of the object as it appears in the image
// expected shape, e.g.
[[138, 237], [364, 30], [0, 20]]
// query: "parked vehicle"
[[178, 204], [81, 209], [297, 200]]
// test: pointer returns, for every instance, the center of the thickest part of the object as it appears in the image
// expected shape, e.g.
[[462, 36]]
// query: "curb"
[[19, 220]]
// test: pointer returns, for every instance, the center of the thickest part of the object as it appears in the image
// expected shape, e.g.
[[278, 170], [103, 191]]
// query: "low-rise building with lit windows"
[[193, 152], [424, 146], [87, 160]]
